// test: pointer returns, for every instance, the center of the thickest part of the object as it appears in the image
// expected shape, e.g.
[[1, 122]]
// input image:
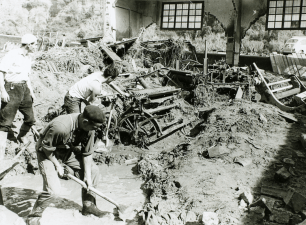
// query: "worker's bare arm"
[[87, 160], [53, 159], [96, 90], [4, 95]]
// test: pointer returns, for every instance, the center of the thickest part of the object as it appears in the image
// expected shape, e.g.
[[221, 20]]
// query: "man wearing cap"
[[16, 90], [68, 141], [88, 88]]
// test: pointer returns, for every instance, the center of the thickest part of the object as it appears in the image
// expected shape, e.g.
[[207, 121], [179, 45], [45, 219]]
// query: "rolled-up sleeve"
[[89, 147], [54, 137]]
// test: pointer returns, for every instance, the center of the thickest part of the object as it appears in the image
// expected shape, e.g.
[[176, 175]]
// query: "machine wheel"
[[138, 129]]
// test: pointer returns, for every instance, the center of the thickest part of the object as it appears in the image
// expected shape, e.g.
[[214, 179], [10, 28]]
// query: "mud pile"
[[191, 181]]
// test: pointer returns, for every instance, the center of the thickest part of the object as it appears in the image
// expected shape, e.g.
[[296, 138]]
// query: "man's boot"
[[3, 137], [24, 129], [89, 205], [42, 202]]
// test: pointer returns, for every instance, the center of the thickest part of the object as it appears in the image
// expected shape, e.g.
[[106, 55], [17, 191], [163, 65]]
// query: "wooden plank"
[[282, 88], [110, 53], [277, 62], [282, 63], [286, 65], [288, 116], [303, 60], [298, 66], [279, 82], [273, 63], [291, 64], [274, 191]]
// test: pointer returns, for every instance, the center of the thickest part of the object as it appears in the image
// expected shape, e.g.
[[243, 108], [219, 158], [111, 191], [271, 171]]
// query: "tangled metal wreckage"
[[150, 106], [151, 103]]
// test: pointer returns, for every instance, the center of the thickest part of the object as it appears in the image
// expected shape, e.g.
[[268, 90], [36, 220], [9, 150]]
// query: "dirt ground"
[[180, 177]]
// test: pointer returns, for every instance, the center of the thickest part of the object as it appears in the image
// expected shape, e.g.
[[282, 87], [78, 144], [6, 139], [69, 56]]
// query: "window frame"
[[284, 8], [188, 16]]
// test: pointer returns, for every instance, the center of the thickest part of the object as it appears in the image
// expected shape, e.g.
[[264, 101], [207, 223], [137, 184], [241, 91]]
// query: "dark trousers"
[[20, 99], [74, 165], [72, 104]]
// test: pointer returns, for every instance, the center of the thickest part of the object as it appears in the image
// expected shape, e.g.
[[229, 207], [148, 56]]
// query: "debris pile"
[[60, 59], [166, 52]]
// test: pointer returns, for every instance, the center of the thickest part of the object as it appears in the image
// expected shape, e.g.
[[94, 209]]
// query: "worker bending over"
[[88, 88], [16, 90], [68, 141]]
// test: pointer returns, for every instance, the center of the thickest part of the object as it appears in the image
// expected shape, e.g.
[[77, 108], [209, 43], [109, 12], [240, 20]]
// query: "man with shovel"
[[68, 141]]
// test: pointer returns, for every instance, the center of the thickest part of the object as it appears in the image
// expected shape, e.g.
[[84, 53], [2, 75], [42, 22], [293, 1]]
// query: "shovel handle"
[[22, 150], [109, 119], [84, 185]]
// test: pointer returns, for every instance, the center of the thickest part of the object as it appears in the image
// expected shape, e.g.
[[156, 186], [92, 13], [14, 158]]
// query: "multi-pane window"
[[286, 14], [182, 15]]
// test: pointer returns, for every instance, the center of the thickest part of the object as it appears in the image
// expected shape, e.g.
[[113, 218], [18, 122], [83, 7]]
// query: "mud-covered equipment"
[[288, 95]]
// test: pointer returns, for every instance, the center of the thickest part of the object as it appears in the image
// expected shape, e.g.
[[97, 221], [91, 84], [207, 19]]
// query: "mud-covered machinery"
[[287, 94], [220, 78], [144, 116]]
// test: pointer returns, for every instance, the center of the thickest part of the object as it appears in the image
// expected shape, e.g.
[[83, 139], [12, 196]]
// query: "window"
[[286, 14], [184, 15]]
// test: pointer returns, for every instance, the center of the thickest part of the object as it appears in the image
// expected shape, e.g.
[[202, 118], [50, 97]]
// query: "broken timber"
[[107, 51], [110, 53]]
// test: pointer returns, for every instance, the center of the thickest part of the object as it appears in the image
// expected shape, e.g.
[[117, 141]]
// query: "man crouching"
[[68, 141]]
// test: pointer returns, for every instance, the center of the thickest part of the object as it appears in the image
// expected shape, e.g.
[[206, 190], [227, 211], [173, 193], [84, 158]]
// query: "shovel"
[[109, 143], [122, 209], [2, 175]]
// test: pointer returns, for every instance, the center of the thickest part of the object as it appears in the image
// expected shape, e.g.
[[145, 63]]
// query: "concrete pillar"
[[112, 13], [109, 20], [237, 34], [234, 39]]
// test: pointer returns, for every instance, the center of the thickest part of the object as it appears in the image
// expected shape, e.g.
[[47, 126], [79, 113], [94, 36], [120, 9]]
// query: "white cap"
[[28, 39]]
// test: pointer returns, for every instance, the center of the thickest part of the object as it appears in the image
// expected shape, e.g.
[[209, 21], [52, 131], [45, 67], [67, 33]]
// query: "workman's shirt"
[[64, 133], [16, 65], [83, 88]]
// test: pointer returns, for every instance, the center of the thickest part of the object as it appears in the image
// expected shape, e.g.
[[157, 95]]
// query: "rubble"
[[210, 218], [282, 174]]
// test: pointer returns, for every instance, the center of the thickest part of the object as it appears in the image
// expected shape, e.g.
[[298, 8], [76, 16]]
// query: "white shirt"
[[83, 88], [16, 66]]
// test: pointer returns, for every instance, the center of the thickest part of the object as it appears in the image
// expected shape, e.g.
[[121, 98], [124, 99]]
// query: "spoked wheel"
[[138, 129]]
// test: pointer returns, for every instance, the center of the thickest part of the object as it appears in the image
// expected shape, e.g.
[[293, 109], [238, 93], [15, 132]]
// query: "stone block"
[[295, 200], [210, 218], [282, 175], [218, 151], [303, 140], [247, 197], [280, 216], [191, 217], [273, 191]]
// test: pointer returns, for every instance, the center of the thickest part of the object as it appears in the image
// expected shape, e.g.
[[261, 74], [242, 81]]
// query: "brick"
[[273, 191], [303, 140], [295, 200], [218, 151], [295, 219], [280, 216], [282, 175]]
